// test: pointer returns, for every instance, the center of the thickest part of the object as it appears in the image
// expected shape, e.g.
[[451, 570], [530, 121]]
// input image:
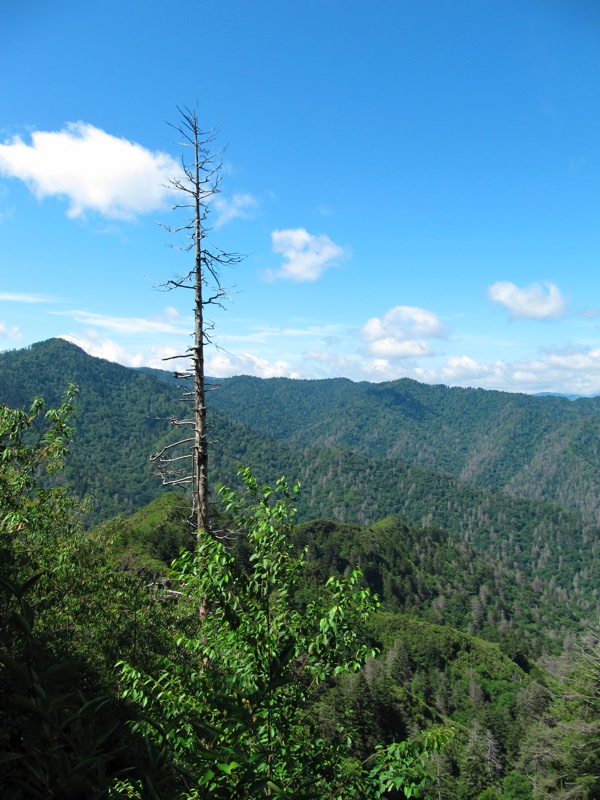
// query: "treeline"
[[540, 448], [461, 642]]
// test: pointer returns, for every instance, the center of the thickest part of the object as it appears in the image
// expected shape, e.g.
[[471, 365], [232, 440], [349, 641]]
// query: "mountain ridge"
[[123, 418]]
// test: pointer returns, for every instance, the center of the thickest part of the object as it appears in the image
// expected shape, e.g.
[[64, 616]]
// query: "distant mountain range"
[[559, 394], [513, 475]]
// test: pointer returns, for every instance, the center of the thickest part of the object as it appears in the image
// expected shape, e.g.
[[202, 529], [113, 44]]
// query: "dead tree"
[[197, 184]]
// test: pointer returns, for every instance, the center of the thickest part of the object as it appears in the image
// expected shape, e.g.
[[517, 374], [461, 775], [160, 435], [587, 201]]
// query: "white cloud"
[[9, 333], [264, 334], [94, 170], [102, 347], [27, 297], [306, 256], [404, 322], [241, 206], [396, 334], [570, 360], [531, 302], [459, 368], [223, 365], [569, 370], [171, 313], [127, 324], [355, 367], [394, 348]]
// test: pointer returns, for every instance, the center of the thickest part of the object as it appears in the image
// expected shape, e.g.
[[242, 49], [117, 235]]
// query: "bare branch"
[[179, 481], [198, 182]]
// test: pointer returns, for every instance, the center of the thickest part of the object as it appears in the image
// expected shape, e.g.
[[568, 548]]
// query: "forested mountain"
[[479, 589], [426, 572], [123, 417], [458, 635], [123, 413], [542, 448]]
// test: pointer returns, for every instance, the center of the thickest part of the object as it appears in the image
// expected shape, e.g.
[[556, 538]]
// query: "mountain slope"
[[542, 448], [123, 418]]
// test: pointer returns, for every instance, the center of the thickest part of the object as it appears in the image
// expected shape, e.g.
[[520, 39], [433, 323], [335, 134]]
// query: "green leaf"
[[16, 668]]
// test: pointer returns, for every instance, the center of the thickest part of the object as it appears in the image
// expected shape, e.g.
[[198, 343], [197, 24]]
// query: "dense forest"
[[436, 578]]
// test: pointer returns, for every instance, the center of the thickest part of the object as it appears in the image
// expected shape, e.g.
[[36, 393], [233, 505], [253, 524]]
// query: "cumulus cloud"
[[305, 256], [222, 365], [92, 169], [459, 368], [537, 301], [567, 370], [355, 367], [102, 347], [397, 334], [393, 348], [96, 344], [241, 206]]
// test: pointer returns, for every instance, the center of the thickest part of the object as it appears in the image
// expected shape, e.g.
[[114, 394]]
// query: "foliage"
[[54, 743], [26, 449], [427, 572], [67, 613], [53, 740], [121, 415], [153, 537], [561, 750], [234, 706], [105, 595]]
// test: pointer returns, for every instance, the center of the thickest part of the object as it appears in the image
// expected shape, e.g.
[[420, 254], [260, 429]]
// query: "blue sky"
[[415, 184]]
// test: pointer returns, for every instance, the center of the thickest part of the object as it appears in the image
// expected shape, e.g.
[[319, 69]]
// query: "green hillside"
[[457, 635], [469, 634], [421, 571], [542, 448], [122, 419], [122, 414]]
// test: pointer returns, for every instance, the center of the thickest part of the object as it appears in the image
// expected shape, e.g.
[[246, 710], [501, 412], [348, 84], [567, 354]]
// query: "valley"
[[472, 515]]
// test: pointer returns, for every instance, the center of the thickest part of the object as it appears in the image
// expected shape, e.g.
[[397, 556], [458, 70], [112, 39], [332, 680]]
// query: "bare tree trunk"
[[200, 487], [198, 182]]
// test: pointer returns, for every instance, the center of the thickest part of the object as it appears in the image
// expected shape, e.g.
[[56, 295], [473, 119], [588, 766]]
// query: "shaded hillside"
[[543, 448]]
